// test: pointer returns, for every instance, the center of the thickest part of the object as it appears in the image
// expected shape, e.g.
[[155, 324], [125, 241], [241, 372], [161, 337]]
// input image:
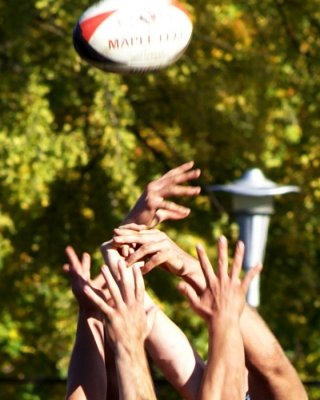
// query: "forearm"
[[141, 219], [271, 375], [173, 354], [139, 214], [111, 372], [86, 374], [134, 378], [225, 376]]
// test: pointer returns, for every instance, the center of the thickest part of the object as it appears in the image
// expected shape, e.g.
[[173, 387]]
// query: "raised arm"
[[86, 373], [153, 207], [173, 354], [220, 304], [126, 326], [271, 375]]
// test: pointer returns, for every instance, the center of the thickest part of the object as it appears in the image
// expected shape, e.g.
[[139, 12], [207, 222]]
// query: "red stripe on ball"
[[89, 25]]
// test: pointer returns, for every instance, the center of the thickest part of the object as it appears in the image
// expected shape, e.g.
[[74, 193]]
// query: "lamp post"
[[252, 201]]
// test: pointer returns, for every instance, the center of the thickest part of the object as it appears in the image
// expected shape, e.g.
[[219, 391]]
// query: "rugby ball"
[[132, 35]]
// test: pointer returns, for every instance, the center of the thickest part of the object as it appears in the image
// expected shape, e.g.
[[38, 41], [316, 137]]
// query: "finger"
[[128, 232], [179, 175], [97, 300], [187, 290], [111, 257], [250, 275], [145, 250], [186, 176], [206, 266], [179, 170], [237, 260], [139, 284], [86, 263], [139, 238], [126, 282], [112, 286], [99, 282], [173, 207], [179, 212], [132, 226], [132, 232], [139, 264], [125, 250], [104, 247], [155, 221], [155, 261], [222, 257], [164, 186], [66, 268], [132, 240], [172, 189], [73, 259]]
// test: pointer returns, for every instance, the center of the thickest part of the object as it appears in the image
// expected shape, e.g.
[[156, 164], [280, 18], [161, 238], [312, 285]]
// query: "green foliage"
[[78, 145]]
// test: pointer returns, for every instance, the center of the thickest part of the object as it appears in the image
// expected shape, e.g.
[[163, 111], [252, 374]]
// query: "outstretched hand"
[[126, 320], [126, 326], [153, 207], [80, 277], [224, 294], [152, 246], [113, 257]]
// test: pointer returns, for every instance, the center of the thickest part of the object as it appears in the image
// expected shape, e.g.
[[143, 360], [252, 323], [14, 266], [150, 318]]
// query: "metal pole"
[[253, 231], [252, 197]]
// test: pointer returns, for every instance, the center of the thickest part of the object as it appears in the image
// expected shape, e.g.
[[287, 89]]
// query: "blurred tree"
[[77, 146]]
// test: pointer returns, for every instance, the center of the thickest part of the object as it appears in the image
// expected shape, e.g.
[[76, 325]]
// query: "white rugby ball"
[[133, 35]]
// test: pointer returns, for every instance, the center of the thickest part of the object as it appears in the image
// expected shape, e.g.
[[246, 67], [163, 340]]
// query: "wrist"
[[124, 351], [223, 323]]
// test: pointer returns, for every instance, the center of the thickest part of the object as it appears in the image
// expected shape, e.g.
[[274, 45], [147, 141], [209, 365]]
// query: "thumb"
[[189, 292], [66, 268], [256, 270]]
